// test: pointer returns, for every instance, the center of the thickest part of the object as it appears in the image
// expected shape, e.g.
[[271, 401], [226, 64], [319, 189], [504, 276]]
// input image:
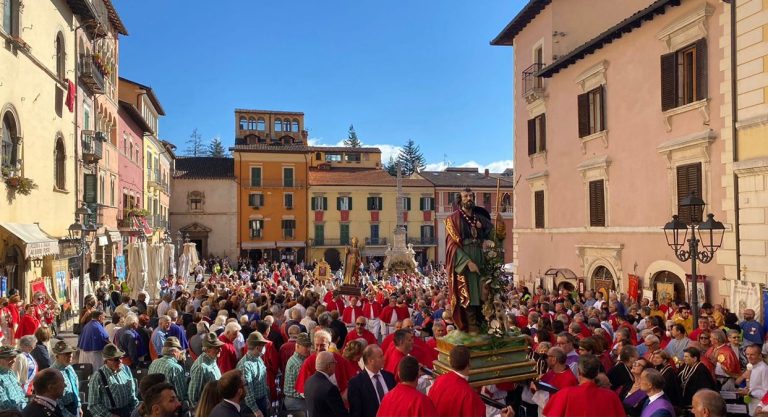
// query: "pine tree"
[[391, 167], [352, 141], [195, 145], [411, 159], [216, 148]]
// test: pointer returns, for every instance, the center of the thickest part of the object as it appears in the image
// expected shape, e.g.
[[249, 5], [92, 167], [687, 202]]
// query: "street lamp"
[[82, 235], [179, 242], [709, 233]]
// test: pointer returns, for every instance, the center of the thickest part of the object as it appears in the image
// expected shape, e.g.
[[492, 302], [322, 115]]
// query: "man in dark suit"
[[160, 400], [323, 397], [657, 404], [367, 388], [232, 390], [49, 387]]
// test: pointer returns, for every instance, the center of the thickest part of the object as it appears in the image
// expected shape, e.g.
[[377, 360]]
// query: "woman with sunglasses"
[[632, 396]]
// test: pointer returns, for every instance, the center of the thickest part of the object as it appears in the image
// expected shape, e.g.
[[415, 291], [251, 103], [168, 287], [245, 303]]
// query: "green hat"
[[303, 340], [210, 340], [7, 352], [172, 342], [112, 352], [62, 347], [255, 339]]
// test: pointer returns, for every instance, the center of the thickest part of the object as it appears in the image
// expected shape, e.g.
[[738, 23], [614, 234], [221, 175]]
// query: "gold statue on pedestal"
[[351, 283]]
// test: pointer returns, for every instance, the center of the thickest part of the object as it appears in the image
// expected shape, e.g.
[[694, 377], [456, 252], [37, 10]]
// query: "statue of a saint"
[[468, 231], [351, 263]]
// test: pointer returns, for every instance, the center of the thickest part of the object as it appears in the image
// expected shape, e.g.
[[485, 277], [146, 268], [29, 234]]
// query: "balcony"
[[279, 184], [96, 217], [90, 75], [153, 179], [533, 86], [158, 221], [375, 241], [423, 241], [92, 146]]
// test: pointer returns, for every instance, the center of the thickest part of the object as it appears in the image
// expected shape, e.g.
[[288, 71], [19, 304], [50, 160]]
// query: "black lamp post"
[[179, 242], [709, 233], [82, 234]]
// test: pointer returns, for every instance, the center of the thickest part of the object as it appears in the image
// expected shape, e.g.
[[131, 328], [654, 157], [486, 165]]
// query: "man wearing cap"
[[294, 400], [255, 375], [205, 369], [169, 365], [112, 389], [70, 399], [12, 397]]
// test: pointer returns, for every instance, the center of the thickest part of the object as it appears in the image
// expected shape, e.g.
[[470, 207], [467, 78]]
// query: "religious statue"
[[350, 284], [469, 230]]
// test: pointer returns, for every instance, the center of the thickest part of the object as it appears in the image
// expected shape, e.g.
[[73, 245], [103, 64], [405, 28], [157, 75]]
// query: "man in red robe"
[[585, 399], [371, 310], [391, 314], [352, 311], [468, 230], [451, 393], [28, 324], [403, 345], [228, 358], [405, 399], [361, 332], [559, 374], [343, 372]]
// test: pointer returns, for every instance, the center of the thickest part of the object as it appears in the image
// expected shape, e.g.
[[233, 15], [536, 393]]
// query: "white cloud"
[[388, 151]]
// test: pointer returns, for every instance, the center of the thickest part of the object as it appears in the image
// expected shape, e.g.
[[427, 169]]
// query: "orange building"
[[271, 164]]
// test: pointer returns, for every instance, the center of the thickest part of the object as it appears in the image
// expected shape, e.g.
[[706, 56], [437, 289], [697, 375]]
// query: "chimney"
[[486, 173]]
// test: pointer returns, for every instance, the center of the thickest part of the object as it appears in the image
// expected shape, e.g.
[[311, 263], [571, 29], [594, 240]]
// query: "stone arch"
[[605, 263], [10, 108]]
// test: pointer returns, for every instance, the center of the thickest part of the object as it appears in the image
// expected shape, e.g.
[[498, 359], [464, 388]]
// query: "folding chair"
[[83, 370]]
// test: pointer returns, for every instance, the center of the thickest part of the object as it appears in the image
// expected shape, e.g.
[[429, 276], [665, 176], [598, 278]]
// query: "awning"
[[564, 272], [114, 236], [37, 242], [257, 245]]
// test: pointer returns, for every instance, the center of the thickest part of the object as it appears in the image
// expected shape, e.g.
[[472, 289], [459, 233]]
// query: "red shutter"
[[701, 69], [345, 215], [319, 215], [427, 216], [668, 82], [374, 216], [582, 101]]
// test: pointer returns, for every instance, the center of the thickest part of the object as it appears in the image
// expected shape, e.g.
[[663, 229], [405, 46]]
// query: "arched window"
[[60, 164], [278, 125], [60, 56], [260, 124], [287, 124], [318, 156], [243, 123], [295, 125], [10, 141], [251, 123]]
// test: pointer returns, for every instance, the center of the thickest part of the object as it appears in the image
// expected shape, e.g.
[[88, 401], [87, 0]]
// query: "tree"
[[195, 146], [216, 148], [352, 141], [391, 167], [411, 159]]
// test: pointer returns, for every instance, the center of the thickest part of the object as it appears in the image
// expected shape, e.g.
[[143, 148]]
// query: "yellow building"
[[349, 201], [271, 159], [745, 253]]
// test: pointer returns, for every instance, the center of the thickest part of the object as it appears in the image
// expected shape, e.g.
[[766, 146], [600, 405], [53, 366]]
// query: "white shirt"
[[758, 385], [381, 380], [655, 397]]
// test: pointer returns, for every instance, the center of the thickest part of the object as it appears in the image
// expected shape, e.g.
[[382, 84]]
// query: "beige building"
[[203, 192], [745, 253]]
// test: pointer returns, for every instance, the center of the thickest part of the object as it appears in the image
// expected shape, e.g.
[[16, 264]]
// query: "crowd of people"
[[262, 338]]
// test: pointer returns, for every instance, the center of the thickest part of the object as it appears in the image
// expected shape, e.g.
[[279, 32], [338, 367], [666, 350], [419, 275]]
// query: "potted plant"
[[21, 185]]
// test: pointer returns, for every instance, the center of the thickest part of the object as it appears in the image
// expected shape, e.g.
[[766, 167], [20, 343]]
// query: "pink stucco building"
[[617, 114], [131, 131]]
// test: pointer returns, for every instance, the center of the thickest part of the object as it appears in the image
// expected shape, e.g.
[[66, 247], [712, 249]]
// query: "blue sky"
[[420, 69]]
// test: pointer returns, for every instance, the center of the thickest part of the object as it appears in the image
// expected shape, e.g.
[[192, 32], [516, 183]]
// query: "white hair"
[[130, 319], [270, 320], [28, 341], [164, 319], [202, 327], [232, 327], [172, 313], [324, 334], [220, 320]]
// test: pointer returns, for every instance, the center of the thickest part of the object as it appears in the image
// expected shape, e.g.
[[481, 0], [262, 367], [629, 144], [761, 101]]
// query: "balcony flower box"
[[21, 185]]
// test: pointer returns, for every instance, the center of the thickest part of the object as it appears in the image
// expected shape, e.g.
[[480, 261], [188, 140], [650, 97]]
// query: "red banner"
[[634, 285]]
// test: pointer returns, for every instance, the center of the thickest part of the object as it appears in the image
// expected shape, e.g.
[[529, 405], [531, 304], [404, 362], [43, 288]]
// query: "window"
[[149, 162], [256, 228], [11, 17], [352, 157], [60, 165], [295, 125], [427, 233], [196, 201], [344, 234], [343, 203], [374, 203], [243, 123], [60, 56], [287, 125], [278, 125], [487, 201], [374, 234], [318, 156], [688, 181], [10, 142], [260, 124], [287, 177], [251, 123], [597, 203], [591, 112], [319, 203], [255, 176], [319, 234], [288, 200], [537, 134], [255, 199], [407, 203], [684, 75], [427, 203], [538, 209], [102, 189], [288, 228], [112, 191], [333, 157]]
